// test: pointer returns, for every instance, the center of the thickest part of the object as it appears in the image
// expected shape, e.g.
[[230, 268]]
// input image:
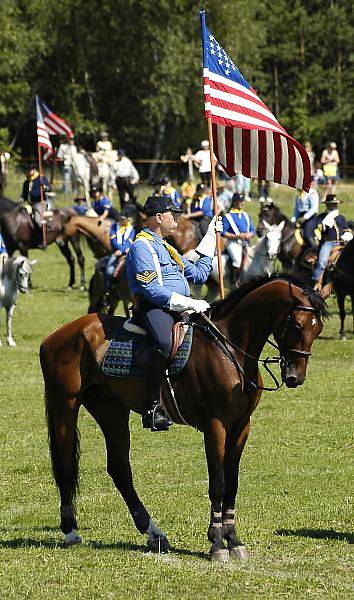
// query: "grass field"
[[294, 509]]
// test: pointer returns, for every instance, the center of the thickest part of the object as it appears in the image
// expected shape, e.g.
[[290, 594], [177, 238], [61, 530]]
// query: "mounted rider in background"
[[201, 211], [305, 214], [158, 278], [238, 229], [31, 194], [102, 205]]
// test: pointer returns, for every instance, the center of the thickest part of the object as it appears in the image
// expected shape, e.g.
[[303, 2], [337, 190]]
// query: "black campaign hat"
[[160, 204], [238, 197], [331, 199]]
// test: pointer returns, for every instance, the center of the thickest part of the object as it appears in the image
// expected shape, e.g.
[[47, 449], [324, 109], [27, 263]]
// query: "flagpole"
[[44, 233], [215, 207]]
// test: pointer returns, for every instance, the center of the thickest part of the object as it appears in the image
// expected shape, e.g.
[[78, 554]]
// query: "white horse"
[[14, 276], [105, 160]]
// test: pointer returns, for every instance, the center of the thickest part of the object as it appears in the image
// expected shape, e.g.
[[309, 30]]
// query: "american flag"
[[42, 132], [54, 124], [247, 137]]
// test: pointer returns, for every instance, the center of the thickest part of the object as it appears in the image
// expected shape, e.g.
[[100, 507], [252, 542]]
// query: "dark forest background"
[[135, 68]]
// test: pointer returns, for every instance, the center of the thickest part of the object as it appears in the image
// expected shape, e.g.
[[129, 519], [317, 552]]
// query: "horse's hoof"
[[11, 343], [343, 338], [239, 553], [159, 544], [70, 288], [72, 538], [221, 555], [82, 288]]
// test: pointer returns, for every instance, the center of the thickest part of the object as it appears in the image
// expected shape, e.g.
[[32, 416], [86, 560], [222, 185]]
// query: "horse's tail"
[[63, 435]]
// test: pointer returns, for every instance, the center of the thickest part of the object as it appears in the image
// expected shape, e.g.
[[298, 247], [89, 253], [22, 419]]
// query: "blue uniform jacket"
[[101, 205], [243, 222], [204, 204], [3, 249], [35, 189], [332, 234], [143, 279], [121, 237]]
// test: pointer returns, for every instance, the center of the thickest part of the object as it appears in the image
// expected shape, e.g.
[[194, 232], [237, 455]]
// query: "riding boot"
[[235, 271], [154, 416]]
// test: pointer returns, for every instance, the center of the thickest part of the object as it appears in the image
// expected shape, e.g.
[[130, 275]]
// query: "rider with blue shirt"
[[122, 236], [238, 229], [102, 205], [201, 208], [158, 278]]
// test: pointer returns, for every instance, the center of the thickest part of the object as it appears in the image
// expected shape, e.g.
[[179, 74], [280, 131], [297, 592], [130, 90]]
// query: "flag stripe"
[[246, 162], [262, 155]]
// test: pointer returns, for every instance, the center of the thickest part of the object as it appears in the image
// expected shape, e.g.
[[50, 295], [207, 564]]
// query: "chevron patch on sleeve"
[[146, 276]]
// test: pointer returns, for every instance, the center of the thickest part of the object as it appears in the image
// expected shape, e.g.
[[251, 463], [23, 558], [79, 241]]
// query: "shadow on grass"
[[322, 534], [16, 543]]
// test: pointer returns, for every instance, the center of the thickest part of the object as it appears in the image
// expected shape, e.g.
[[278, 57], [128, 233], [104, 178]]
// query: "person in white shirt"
[[202, 160], [125, 177], [65, 154]]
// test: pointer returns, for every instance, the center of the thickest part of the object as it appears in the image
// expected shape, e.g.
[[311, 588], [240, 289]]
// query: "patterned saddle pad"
[[120, 359]]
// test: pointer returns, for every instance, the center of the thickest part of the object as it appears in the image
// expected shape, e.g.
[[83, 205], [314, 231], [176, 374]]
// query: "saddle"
[[128, 353]]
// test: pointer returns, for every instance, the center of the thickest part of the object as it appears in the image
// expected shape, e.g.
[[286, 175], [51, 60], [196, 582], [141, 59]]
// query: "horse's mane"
[[221, 308]]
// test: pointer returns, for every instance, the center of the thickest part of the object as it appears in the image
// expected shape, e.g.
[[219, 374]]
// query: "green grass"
[[294, 509]]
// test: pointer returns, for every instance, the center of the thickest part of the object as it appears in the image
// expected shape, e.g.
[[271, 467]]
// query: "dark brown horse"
[[340, 277], [216, 392], [21, 234], [291, 253]]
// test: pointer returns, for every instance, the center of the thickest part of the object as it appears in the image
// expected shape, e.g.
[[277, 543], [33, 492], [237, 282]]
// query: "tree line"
[[134, 67]]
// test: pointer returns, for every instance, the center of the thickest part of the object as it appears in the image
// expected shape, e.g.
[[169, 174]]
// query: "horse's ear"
[[281, 226], [266, 225], [326, 290], [33, 261]]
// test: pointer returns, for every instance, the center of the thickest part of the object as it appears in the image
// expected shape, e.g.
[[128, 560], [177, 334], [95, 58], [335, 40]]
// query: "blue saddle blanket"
[[121, 356]]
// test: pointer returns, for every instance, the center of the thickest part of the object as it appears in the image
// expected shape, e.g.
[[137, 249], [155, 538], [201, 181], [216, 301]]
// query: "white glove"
[[347, 236], [179, 303], [329, 219], [208, 243]]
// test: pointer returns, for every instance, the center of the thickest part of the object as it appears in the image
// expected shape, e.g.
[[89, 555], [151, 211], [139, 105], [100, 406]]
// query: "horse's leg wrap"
[[218, 551], [234, 544], [68, 525]]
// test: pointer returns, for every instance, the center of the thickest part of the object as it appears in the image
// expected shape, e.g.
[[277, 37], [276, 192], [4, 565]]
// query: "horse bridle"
[[222, 341]]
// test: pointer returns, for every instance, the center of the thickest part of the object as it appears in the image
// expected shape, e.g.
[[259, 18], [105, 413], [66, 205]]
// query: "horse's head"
[[295, 331], [23, 274], [273, 239]]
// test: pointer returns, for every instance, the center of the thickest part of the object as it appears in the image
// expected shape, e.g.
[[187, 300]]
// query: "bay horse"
[[20, 234], [216, 392]]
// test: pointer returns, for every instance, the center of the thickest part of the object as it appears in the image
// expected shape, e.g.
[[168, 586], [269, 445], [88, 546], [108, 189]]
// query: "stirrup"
[[155, 419]]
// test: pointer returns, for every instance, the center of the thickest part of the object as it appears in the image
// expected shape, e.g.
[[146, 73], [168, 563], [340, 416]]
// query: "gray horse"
[[14, 276]]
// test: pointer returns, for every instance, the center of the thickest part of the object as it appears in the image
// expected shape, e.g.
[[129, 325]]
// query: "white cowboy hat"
[[204, 144]]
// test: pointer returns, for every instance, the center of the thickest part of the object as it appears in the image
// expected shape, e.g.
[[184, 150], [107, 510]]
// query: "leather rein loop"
[[223, 342]]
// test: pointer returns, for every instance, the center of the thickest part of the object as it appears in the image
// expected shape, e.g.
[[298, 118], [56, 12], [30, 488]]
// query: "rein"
[[222, 341]]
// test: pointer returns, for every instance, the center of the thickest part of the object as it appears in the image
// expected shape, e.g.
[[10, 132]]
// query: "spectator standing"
[[188, 191], [243, 186], [311, 155], [330, 161], [4, 162], [65, 154], [125, 176], [187, 159], [263, 190], [202, 161]]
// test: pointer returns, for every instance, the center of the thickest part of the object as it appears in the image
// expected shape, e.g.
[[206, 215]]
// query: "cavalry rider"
[[238, 229], [102, 205], [201, 208], [158, 278], [334, 230], [122, 236], [305, 213], [167, 189], [31, 193]]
